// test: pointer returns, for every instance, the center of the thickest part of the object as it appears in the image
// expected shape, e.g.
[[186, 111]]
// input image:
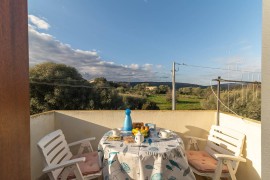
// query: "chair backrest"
[[222, 140], [55, 150]]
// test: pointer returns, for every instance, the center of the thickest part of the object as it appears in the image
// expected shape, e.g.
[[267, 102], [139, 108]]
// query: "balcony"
[[77, 125]]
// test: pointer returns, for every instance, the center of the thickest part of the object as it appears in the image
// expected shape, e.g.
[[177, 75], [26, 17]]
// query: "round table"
[[156, 158]]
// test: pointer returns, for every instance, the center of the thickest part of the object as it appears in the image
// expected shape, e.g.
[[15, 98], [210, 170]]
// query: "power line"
[[49, 79], [236, 81], [69, 85], [165, 76], [206, 67]]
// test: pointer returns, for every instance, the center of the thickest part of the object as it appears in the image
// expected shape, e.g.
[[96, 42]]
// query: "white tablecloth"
[[155, 159]]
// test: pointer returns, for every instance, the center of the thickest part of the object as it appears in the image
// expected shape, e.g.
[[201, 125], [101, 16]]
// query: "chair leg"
[[78, 172], [218, 171], [231, 171]]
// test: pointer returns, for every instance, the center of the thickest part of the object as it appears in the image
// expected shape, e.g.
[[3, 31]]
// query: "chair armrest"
[[229, 157], [196, 138], [64, 164], [81, 141]]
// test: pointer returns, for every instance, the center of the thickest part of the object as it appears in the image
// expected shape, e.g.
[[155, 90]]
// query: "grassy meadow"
[[184, 102]]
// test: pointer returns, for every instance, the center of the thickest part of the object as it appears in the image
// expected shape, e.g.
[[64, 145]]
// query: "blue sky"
[[137, 40]]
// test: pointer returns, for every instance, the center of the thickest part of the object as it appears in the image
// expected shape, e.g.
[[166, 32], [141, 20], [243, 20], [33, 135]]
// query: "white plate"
[[160, 137], [115, 135], [167, 130]]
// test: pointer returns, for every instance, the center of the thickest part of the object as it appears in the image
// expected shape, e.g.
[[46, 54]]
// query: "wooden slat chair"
[[61, 164], [221, 155]]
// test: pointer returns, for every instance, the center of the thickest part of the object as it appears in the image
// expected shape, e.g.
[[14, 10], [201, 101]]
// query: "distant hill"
[[223, 86], [182, 85]]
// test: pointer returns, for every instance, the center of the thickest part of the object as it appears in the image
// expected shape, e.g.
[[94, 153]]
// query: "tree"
[[57, 86], [106, 95], [246, 104], [106, 98], [140, 89], [121, 89], [150, 106], [186, 90], [169, 96], [100, 81], [162, 89], [132, 102], [197, 91], [207, 92]]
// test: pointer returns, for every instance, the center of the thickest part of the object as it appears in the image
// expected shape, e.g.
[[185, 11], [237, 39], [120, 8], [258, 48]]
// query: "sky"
[[138, 40]]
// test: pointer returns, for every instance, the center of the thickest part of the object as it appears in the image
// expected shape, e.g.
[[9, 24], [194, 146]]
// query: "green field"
[[184, 102]]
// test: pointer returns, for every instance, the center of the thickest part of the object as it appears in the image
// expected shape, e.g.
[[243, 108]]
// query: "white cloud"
[[37, 22], [44, 47], [134, 66], [147, 67], [91, 53]]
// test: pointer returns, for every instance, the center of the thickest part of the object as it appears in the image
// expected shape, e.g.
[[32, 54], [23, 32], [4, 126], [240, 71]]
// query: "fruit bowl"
[[144, 130]]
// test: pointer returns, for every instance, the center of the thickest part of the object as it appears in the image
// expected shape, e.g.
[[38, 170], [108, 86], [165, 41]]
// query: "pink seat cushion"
[[90, 166], [203, 162]]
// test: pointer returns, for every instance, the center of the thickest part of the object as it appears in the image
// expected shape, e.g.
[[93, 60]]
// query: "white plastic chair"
[[61, 164], [221, 156]]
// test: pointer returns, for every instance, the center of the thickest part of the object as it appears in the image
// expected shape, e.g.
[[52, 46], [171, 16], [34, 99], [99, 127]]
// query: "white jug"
[[139, 138]]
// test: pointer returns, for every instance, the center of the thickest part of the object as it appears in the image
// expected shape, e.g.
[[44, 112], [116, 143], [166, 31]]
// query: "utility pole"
[[173, 86], [218, 99]]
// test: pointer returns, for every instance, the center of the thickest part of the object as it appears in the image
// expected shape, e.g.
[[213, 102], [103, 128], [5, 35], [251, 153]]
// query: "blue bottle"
[[128, 122]]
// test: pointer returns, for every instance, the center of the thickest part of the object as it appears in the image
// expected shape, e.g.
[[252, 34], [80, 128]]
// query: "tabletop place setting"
[[142, 151]]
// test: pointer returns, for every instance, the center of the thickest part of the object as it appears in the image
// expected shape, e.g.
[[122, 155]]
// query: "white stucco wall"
[[40, 125], [251, 170], [81, 124], [266, 91]]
